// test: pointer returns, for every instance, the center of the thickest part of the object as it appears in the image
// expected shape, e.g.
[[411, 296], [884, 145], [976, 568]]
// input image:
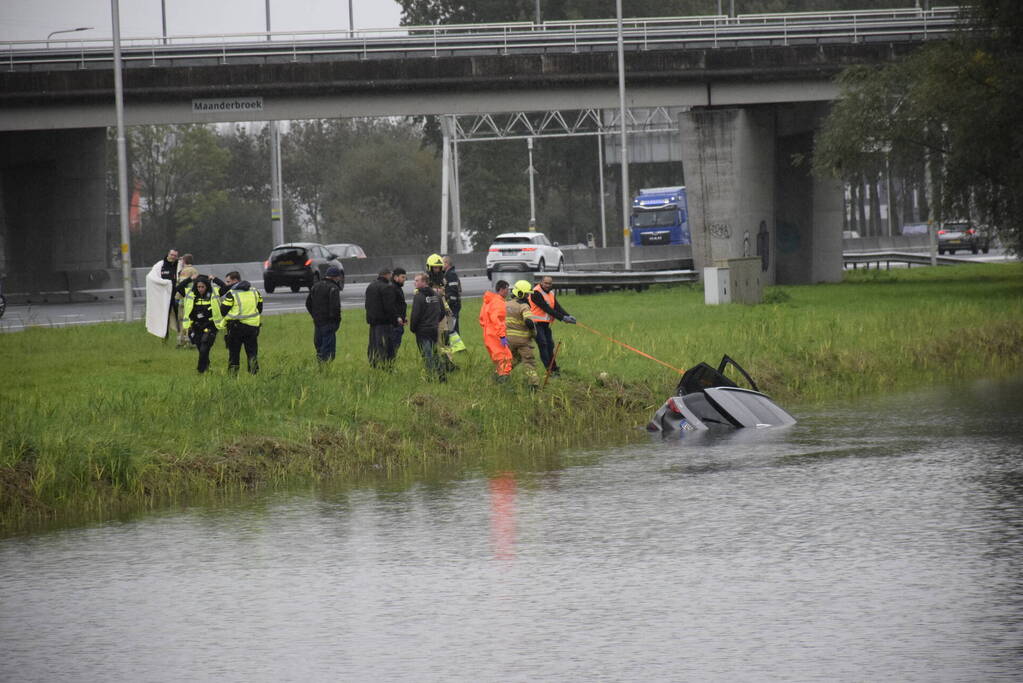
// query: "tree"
[[954, 105], [180, 169]]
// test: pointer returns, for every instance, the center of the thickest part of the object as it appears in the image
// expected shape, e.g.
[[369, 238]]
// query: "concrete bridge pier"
[[746, 198], [53, 216]]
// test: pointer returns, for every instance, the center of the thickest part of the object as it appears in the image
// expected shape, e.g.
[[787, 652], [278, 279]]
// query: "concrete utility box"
[[746, 280], [716, 286]]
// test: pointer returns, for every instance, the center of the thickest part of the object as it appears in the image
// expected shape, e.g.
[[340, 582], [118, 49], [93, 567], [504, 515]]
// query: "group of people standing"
[[434, 318], [511, 325], [199, 306]]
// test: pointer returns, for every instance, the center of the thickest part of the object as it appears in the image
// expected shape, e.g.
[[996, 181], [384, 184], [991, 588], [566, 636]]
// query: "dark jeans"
[[239, 335], [381, 348], [203, 341], [396, 334], [435, 363], [456, 310], [325, 340], [545, 343]]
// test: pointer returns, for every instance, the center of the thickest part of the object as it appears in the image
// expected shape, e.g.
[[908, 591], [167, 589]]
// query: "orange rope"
[[630, 348]]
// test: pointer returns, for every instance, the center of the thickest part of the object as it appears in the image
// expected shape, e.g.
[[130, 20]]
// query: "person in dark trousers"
[[201, 315], [324, 305], [453, 291], [241, 306], [169, 271], [545, 309], [400, 307], [381, 316], [427, 315]]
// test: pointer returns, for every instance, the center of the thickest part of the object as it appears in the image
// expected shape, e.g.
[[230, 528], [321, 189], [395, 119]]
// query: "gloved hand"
[[569, 319], [504, 341]]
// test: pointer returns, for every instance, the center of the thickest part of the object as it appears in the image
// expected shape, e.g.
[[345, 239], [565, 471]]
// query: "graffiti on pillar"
[[720, 231], [764, 246]]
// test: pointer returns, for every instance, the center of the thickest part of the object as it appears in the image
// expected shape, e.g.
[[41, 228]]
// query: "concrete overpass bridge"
[[752, 90]]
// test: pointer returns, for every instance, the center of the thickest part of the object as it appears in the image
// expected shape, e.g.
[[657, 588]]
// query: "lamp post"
[[122, 162], [626, 233], [66, 30]]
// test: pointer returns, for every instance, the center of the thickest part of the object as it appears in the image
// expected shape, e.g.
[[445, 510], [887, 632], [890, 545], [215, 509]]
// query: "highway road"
[[86, 313]]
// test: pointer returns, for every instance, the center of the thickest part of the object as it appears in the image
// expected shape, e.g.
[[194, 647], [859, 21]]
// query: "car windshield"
[[512, 240], [287, 253], [655, 219]]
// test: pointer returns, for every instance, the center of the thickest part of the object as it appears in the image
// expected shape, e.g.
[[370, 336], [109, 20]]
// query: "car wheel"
[[974, 249], [985, 249], [268, 285], [941, 252], [541, 265], [561, 264], [295, 288], [490, 273]]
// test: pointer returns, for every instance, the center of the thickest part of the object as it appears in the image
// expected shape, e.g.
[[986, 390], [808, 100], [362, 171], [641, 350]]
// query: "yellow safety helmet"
[[522, 288], [434, 260]]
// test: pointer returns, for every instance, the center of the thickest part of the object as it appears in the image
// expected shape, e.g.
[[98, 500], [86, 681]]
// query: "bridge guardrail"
[[641, 33]]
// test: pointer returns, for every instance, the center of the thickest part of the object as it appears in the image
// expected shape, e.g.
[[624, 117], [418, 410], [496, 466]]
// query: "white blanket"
[[158, 299]]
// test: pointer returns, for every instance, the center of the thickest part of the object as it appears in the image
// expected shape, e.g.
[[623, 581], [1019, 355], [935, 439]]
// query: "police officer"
[[241, 307], [201, 317]]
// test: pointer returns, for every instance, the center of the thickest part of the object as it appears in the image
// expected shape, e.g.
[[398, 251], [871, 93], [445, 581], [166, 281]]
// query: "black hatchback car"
[[298, 264]]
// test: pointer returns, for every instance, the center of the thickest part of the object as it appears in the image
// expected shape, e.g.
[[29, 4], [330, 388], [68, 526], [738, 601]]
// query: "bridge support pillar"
[[52, 206], [728, 156], [748, 197]]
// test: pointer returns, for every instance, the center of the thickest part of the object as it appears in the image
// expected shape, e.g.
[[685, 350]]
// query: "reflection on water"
[[868, 542]]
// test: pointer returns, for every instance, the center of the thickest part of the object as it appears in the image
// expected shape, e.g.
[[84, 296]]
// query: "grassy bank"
[[107, 417]]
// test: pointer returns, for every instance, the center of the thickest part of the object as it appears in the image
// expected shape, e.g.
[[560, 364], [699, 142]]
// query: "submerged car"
[[705, 398], [298, 264]]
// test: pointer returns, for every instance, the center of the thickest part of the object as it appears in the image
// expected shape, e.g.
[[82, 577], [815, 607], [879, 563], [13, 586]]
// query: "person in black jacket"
[[545, 309], [452, 291], [324, 305], [400, 307], [382, 316], [427, 314]]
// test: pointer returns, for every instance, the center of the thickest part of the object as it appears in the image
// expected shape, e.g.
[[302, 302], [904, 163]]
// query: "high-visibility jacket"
[[244, 306], [518, 312], [493, 315], [539, 315], [210, 301]]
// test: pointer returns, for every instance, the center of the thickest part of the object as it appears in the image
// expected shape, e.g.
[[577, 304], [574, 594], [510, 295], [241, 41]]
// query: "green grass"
[[105, 418]]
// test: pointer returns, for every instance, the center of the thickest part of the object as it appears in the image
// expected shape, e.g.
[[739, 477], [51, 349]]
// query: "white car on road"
[[523, 252]]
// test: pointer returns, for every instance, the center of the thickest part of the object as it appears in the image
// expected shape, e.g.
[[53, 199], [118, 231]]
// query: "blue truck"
[[660, 216]]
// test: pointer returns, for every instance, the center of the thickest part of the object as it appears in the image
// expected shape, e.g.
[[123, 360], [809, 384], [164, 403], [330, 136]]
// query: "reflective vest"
[[539, 315], [244, 306], [518, 312], [210, 301]]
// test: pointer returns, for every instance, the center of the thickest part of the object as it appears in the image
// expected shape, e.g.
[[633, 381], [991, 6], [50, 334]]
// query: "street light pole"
[[122, 163], [351, 20], [624, 145], [66, 30], [532, 194], [163, 16]]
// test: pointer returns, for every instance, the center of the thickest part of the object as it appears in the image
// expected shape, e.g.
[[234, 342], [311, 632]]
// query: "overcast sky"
[[34, 19]]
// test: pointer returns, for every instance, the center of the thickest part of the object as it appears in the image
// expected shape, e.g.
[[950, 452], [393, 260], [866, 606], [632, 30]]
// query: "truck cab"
[[660, 216]]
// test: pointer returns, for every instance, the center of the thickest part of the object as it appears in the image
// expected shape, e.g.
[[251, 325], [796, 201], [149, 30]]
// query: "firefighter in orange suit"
[[495, 334]]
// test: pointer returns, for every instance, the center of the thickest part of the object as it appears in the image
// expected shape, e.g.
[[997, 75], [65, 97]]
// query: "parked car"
[[346, 250], [298, 264], [962, 234], [915, 229], [850, 235], [524, 252]]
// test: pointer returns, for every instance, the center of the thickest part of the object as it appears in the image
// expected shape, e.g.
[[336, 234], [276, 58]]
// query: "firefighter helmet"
[[522, 288], [434, 260]]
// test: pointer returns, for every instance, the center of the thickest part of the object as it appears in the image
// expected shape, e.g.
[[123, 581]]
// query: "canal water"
[[878, 541]]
